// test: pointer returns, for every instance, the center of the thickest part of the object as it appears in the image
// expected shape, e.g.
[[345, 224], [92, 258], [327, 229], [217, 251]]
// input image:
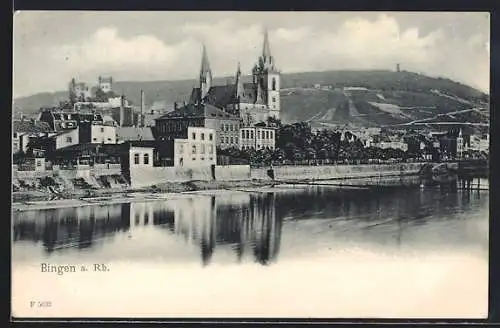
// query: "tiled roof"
[[31, 127], [218, 95], [134, 134], [192, 110]]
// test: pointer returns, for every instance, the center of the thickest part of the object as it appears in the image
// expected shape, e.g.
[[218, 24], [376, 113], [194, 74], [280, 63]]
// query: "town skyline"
[[94, 45]]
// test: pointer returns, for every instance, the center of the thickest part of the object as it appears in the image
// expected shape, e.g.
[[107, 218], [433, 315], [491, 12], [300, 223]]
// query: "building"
[[480, 143], [253, 102], [174, 125], [393, 144], [124, 134], [79, 91], [141, 153], [198, 148], [72, 128], [257, 137], [105, 84], [25, 130]]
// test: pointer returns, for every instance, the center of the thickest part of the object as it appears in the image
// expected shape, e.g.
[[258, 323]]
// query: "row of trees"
[[297, 143]]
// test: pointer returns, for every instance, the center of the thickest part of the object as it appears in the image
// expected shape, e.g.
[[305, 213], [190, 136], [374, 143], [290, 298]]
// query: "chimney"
[[122, 109], [143, 108]]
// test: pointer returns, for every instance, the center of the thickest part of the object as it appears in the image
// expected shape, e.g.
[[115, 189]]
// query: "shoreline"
[[38, 199]]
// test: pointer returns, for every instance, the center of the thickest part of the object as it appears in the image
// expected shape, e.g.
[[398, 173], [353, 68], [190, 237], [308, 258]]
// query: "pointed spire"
[[239, 83], [266, 49], [205, 75], [205, 64]]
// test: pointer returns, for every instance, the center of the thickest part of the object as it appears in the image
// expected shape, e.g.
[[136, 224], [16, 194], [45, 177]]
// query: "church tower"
[[205, 75], [271, 78], [239, 84]]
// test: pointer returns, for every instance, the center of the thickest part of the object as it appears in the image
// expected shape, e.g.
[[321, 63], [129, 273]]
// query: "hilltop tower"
[[205, 75]]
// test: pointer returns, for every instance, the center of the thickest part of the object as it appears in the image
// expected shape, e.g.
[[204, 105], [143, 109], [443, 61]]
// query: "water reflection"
[[251, 225], [246, 222]]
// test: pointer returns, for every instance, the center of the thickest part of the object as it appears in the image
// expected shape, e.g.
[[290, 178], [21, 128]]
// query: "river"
[[306, 251]]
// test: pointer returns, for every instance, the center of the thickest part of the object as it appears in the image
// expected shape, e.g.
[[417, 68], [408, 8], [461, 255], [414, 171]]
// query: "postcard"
[[250, 165]]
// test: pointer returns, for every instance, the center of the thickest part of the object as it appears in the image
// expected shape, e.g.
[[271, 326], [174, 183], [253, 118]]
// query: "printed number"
[[38, 304]]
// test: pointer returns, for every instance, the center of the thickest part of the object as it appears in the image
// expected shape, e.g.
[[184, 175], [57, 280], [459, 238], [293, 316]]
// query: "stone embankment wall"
[[326, 172], [148, 176], [99, 176]]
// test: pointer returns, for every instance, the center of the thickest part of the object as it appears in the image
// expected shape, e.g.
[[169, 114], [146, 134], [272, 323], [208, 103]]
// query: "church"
[[238, 112], [253, 102]]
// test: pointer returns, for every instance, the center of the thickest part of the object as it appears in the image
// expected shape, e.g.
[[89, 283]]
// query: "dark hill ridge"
[[370, 98]]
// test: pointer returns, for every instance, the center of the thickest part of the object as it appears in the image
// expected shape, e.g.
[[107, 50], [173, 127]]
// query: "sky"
[[52, 47]]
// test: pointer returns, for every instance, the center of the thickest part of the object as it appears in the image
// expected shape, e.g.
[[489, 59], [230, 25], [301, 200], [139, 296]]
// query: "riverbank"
[[23, 197]]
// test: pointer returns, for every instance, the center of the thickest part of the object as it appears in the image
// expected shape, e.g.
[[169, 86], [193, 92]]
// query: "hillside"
[[361, 98]]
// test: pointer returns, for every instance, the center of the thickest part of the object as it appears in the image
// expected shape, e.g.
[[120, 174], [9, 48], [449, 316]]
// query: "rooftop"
[[31, 126], [192, 110], [135, 133]]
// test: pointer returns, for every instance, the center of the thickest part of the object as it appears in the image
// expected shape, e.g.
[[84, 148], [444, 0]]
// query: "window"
[[232, 140], [136, 159], [210, 149], [15, 135], [210, 137], [102, 129], [194, 135], [274, 99], [203, 136], [109, 139], [223, 126], [146, 159], [181, 148], [193, 159], [247, 134], [202, 149], [194, 149], [258, 134], [271, 134], [38, 163], [251, 134], [274, 84], [69, 139], [235, 139], [242, 134], [203, 158]]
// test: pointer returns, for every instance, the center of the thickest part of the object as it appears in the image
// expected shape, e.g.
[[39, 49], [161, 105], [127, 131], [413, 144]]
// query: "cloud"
[[358, 42], [106, 48]]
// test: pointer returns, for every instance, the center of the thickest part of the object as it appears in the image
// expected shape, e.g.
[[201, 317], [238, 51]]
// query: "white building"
[[198, 149], [480, 143], [141, 155], [97, 134], [257, 137], [67, 138], [392, 144]]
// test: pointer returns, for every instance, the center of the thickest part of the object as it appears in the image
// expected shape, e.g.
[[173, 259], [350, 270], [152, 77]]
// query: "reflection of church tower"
[[205, 75], [266, 229], [208, 234]]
